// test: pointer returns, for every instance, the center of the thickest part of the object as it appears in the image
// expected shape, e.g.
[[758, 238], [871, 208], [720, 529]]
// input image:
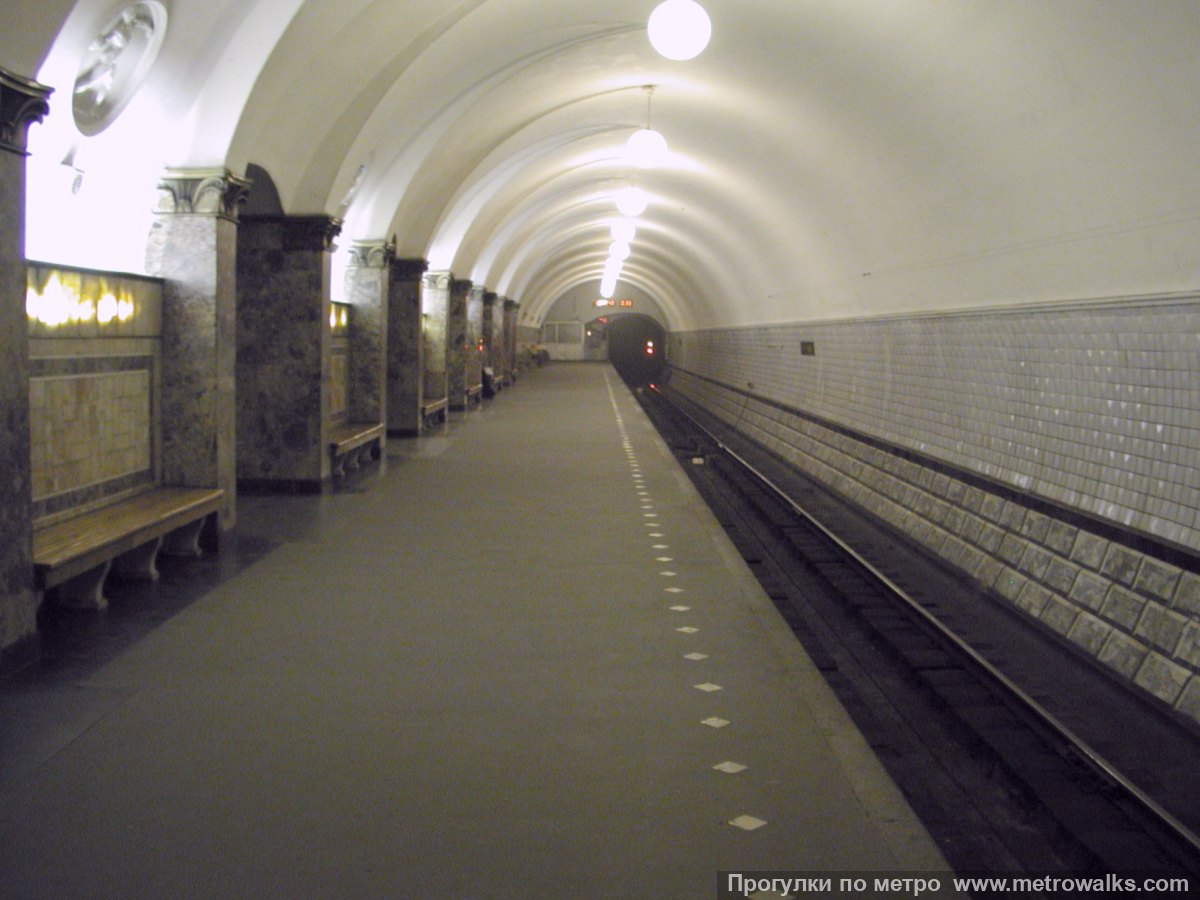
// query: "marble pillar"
[[456, 344], [22, 103], [405, 348], [489, 332], [284, 347], [193, 247], [475, 338], [435, 308], [511, 308], [367, 290]]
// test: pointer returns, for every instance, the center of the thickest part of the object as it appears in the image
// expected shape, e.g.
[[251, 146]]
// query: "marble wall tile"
[[17, 600], [492, 330], [405, 347], [284, 349], [475, 337], [509, 316], [194, 254], [435, 309], [23, 103], [456, 344], [367, 290]]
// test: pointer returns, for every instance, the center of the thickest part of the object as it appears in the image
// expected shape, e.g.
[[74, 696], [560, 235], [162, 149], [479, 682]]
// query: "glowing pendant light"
[[619, 251], [679, 29], [623, 230], [631, 201], [646, 148]]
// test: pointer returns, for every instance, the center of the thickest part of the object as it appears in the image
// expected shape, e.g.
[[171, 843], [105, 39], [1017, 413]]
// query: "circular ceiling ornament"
[[116, 63], [679, 29]]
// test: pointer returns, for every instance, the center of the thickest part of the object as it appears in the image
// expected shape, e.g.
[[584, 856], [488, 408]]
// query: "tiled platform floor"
[[522, 661]]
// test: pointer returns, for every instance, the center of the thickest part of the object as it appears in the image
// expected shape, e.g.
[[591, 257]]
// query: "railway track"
[[998, 779]]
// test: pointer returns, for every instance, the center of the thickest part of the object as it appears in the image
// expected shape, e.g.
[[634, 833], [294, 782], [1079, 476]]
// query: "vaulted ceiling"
[[828, 158]]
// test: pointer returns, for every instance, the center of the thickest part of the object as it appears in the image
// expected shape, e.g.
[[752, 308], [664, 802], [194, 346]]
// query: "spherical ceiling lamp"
[[623, 230], [679, 29], [632, 201], [646, 148], [608, 287]]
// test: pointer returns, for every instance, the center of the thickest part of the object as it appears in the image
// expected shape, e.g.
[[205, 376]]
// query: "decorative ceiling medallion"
[[116, 64]]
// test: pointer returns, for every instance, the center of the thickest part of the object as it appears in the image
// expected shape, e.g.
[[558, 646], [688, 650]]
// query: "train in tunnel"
[[635, 344]]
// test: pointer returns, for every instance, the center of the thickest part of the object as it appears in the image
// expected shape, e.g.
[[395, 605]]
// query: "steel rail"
[[1089, 754]]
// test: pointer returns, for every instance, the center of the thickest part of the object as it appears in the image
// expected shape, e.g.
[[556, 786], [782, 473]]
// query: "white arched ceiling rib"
[[224, 84], [576, 236], [709, 228], [567, 275], [392, 201], [521, 217], [487, 111], [330, 72], [659, 279], [675, 282], [573, 250], [507, 168]]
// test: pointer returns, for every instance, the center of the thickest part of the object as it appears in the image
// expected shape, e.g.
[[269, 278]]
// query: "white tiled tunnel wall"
[[1089, 407], [1095, 407]]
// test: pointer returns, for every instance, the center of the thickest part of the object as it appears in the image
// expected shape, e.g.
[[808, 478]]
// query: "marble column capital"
[[438, 280], [511, 304], [460, 286], [201, 192], [408, 269], [372, 254], [22, 103], [313, 233]]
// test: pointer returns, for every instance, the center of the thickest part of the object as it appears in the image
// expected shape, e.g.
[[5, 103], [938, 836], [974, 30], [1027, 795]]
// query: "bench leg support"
[[139, 563], [85, 590], [184, 541]]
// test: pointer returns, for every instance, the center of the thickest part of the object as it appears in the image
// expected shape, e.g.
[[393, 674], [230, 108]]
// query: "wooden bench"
[[433, 411], [354, 445], [474, 395], [76, 555]]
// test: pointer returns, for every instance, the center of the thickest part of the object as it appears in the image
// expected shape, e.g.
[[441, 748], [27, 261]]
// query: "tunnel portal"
[[636, 344]]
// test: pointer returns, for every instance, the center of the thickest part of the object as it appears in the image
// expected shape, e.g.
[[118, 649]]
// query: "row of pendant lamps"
[[679, 30]]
